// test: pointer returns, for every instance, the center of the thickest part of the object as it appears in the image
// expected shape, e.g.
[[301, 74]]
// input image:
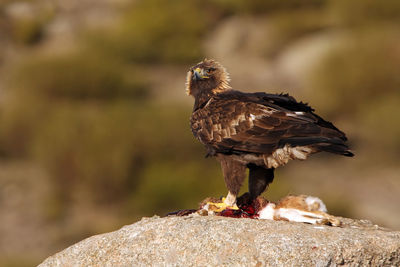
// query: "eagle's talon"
[[220, 206]]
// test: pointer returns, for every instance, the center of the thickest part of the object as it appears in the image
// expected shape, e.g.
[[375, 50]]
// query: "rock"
[[219, 241]]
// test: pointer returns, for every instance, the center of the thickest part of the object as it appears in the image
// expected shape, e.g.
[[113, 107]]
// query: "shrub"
[[105, 151], [263, 6], [157, 31], [285, 28], [77, 75], [364, 12], [356, 73]]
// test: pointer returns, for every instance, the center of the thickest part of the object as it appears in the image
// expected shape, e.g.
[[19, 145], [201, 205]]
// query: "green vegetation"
[[257, 7], [79, 75], [289, 26], [148, 34], [364, 12], [25, 23]]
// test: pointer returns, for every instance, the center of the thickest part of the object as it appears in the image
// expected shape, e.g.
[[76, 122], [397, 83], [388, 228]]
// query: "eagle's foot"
[[220, 206]]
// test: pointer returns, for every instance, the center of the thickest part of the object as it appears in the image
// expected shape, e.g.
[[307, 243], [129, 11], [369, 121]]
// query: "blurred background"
[[94, 119]]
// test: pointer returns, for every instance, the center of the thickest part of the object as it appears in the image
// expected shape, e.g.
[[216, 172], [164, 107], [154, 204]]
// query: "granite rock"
[[219, 241]]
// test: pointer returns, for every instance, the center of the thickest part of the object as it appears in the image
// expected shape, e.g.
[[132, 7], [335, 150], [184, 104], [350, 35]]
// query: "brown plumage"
[[258, 131]]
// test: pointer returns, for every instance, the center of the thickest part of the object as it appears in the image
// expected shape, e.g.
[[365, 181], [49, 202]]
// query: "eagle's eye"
[[209, 70]]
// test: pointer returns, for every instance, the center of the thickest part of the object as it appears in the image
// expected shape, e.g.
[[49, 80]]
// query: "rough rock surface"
[[219, 241]]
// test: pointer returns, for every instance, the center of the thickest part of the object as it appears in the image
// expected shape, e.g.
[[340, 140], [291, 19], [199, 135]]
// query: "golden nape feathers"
[[212, 70]]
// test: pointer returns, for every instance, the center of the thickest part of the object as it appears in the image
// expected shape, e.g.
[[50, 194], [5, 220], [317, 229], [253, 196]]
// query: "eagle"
[[256, 131]]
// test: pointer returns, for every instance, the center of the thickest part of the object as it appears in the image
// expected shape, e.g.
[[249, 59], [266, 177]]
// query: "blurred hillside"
[[95, 121]]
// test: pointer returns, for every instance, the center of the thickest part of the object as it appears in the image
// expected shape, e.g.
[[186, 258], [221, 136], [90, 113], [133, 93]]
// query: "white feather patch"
[[294, 114], [281, 156]]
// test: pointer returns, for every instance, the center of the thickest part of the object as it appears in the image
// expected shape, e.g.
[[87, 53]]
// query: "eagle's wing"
[[232, 124]]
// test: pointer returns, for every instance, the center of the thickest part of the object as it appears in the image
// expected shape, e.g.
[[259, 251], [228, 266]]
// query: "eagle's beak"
[[199, 74]]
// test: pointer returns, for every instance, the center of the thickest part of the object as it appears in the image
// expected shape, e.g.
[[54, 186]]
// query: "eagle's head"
[[207, 77]]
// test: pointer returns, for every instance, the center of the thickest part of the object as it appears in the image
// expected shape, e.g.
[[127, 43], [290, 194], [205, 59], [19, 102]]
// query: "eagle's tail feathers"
[[336, 149]]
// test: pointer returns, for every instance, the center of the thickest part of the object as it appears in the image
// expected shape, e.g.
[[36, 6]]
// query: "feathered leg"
[[259, 179], [234, 174]]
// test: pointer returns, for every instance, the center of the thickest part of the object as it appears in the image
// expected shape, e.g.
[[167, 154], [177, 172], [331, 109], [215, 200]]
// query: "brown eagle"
[[258, 131]]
